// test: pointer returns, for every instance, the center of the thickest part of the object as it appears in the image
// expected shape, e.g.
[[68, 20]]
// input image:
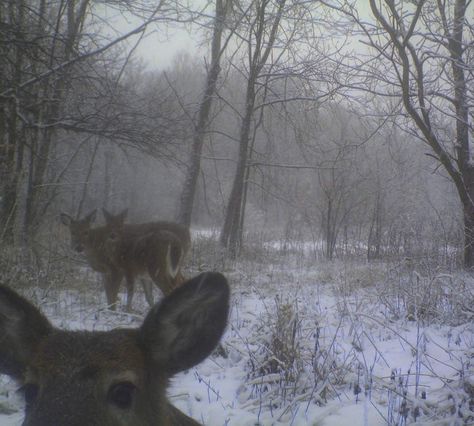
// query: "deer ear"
[[22, 327], [186, 326], [65, 219]]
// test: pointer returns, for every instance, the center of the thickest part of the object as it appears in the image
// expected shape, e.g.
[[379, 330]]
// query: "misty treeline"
[[346, 128]]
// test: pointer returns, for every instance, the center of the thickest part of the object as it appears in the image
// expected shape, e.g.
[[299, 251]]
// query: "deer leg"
[[154, 267], [148, 290], [164, 281], [154, 274], [161, 278], [130, 283], [108, 291], [112, 280]]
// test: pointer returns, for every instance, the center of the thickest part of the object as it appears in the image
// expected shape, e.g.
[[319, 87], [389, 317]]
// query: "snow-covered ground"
[[313, 346]]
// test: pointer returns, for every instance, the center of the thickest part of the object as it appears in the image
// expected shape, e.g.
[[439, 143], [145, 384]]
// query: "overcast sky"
[[158, 50], [161, 43]]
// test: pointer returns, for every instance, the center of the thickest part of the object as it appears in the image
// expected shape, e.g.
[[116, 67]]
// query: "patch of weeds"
[[23, 267], [295, 362], [327, 273], [277, 366], [442, 298], [454, 404], [206, 254], [364, 275]]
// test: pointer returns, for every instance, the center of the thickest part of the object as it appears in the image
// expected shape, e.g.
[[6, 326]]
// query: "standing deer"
[[91, 242], [155, 248], [111, 378]]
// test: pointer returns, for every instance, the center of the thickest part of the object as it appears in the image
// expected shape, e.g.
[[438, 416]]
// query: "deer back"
[[117, 223], [151, 252], [116, 377], [146, 247], [180, 231]]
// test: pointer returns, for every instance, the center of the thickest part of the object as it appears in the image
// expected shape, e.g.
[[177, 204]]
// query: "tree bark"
[[14, 142], [229, 234], [468, 238], [231, 231], [43, 139], [192, 172], [466, 191]]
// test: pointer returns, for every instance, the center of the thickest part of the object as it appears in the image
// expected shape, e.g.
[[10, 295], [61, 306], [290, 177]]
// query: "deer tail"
[[173, 259]]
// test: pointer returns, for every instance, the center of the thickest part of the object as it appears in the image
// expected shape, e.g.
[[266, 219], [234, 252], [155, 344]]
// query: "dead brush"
[[206, 253], [453, 404], [443, 298], [279, 366], [33, 266]]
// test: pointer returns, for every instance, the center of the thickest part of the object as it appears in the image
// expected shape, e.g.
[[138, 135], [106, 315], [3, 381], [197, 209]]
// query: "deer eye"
[[30, 392], [121, 394]]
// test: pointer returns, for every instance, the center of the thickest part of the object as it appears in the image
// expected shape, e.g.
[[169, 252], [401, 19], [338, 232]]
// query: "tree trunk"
[[39, 160], [192, 172], [375, 232], [85, 186], [13, 165], [328, 226], [14, 138], [469, 236], [230, 230], [466, 189]]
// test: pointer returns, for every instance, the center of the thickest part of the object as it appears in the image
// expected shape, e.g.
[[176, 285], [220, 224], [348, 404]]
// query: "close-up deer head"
[[117, 377]]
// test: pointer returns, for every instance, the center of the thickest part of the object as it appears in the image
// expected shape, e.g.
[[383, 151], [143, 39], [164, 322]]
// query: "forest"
[[319, 151]]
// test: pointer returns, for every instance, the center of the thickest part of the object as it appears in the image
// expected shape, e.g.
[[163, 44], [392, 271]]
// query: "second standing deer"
[[155, 248], [91, 242]]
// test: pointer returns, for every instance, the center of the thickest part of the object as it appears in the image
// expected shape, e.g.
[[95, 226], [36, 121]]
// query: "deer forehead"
[[89, 355]]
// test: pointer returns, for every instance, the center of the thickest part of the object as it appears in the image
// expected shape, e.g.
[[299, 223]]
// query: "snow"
[[351, 358]]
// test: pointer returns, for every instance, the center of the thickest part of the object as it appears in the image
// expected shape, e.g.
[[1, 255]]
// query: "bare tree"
[[263, 28], [52, 83], [420, 53], [200, 128], [50, 34]]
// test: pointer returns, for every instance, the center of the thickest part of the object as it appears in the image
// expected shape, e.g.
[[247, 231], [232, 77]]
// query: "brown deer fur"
[[155, 248], [120, 250], [91, 242]]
